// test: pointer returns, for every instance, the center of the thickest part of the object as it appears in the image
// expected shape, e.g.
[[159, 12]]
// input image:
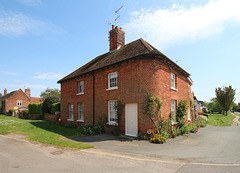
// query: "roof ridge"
[[146, 45]]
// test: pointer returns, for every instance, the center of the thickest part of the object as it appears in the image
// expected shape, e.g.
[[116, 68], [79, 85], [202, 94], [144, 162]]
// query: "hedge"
[[55, 108], [35, 108], [47, 103]]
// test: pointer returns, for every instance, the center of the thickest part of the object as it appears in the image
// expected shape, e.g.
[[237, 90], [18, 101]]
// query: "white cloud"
[[24, 86], [47, 76], [10, 73], [31, 2], [164, 27], [15, 23]]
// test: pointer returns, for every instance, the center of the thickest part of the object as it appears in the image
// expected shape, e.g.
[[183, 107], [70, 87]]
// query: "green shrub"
[[201, 123], [165, 128], [47, 103], [55, 108], [91, 130], [185, 129], [182, 108], [11, 110], [35, 108], [193, 127], [25, 114]]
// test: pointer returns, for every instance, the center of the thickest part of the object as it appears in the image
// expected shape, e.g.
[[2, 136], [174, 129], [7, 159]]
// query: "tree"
[[214, 106], [225, 97], [50, 92], [47, 103]]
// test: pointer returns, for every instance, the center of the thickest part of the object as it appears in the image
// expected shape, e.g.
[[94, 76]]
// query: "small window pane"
[[173, 80], [112, 80], [71, 111], [81, 87], [80, 111], [112, 112]]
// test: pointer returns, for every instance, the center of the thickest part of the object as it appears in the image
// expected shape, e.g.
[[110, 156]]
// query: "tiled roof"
[[132, 50], [36, 99], [7, 96]]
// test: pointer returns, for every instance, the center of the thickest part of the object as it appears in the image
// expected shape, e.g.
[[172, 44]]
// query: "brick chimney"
[[117, 38], [5, 91], [27, 92]]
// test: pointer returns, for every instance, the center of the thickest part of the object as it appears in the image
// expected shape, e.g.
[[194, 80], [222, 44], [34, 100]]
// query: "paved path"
[[214, 145], [235, 120], [212, 149]]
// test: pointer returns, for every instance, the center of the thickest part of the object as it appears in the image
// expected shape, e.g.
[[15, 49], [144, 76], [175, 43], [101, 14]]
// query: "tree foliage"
[[50, 92], [214, 106], [47, 103], [225, 97]]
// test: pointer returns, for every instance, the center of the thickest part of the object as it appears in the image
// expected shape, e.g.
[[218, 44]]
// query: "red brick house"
[[17, 99], [127, 73]]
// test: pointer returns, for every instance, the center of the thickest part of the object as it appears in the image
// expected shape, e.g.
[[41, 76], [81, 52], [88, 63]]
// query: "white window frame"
[[70, 111], [112, 113], [173, 81], [19, 103], [173, 109], [80, 112], [189, 115], [80, 87], [110, 77]]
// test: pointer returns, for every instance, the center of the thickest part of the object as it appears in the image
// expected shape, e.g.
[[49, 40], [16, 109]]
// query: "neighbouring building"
[[18, 99], [125, 74]]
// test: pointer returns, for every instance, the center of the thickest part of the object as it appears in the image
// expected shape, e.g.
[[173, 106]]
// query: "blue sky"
[[41, 41]]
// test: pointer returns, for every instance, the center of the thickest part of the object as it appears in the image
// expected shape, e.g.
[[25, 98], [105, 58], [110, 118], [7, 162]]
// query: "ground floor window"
[[80, 112], [189, 115], [173, 110], [112, 112], [70, 111]]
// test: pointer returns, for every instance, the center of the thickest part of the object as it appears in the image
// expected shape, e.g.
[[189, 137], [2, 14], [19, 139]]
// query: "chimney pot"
[[5, 91], [27, 92], [113, 26]]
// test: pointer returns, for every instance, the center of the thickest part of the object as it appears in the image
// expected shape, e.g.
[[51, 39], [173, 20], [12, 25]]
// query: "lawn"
[[41, 131], [220, 119]]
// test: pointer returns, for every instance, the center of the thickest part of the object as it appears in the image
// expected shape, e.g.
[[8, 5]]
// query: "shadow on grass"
[[75, 134]]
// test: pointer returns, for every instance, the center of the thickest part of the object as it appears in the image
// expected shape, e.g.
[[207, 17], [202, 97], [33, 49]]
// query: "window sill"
[[79, 94], [174, 89], [114, 88], [112, 124], [70, 119], [80, 121]]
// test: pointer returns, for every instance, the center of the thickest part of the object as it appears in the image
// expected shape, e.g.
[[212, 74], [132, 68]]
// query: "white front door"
[[131, 119]]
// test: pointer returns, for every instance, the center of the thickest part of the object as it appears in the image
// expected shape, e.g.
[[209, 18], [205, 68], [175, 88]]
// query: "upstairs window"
[[19, 103], [113, 80], [173, 81], [81, 87], [80, 112], [112, 112]]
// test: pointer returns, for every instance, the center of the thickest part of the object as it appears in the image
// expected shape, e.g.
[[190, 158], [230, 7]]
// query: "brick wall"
[[136, 78]]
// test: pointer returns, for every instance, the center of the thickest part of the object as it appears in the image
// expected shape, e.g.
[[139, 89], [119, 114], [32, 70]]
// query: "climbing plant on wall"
[[153, 109]]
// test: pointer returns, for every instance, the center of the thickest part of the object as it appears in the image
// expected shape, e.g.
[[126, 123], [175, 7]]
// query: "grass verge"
[[42, 131], [220, 119]]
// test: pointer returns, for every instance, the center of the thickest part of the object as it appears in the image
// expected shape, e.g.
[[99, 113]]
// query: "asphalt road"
[[212, 149]]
